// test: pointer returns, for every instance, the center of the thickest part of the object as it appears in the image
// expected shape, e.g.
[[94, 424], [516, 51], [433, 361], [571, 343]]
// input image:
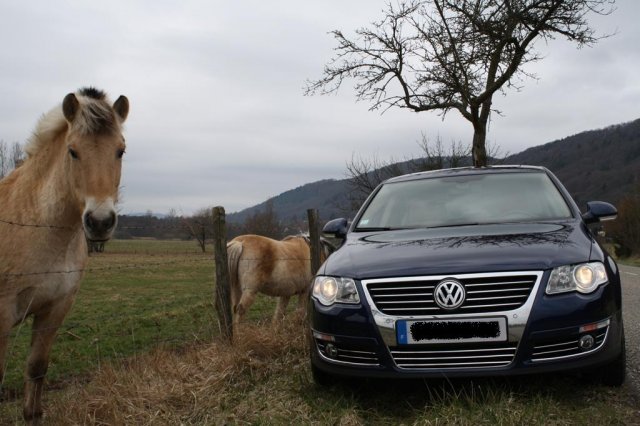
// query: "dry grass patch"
[[199, 385], [264, 379]]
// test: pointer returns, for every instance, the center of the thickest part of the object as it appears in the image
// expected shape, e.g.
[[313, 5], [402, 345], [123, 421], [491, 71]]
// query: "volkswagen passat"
[[465, 272]]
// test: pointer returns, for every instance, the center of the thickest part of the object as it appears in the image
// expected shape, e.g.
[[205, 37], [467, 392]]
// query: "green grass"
[[135, 296], [151, 246], [139, 295]]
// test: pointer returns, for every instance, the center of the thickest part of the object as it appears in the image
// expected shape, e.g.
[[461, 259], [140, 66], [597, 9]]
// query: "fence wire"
[[93, 338]]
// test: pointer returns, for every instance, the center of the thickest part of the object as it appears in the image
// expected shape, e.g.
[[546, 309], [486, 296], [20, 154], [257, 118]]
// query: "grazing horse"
[[61, 196], [275, 268]]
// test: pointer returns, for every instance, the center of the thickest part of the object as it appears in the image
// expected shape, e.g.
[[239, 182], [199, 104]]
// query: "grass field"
[[135, 296], [631, 261], [141, 347]]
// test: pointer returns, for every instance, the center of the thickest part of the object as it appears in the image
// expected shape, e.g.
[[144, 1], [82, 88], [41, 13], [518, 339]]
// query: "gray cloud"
[[218, 114]]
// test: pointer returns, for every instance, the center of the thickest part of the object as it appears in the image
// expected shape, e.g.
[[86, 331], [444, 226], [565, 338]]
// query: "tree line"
[[198, 227], [11, 156]]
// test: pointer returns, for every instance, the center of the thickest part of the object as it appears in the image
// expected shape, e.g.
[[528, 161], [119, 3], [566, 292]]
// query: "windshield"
[[465, 200]]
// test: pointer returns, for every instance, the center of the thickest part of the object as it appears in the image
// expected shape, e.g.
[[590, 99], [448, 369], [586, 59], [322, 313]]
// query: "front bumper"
[[543, 336]]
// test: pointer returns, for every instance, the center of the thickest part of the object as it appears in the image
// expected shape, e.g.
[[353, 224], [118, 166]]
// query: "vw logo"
[[449, 294]]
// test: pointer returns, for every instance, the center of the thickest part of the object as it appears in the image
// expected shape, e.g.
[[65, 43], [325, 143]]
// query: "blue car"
[[469, 272]]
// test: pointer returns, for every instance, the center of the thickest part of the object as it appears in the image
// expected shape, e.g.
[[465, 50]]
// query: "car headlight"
[[330, 290], [584, 278]]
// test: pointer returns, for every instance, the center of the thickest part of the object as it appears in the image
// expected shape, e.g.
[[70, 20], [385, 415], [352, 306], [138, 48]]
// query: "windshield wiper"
[[374, 228]]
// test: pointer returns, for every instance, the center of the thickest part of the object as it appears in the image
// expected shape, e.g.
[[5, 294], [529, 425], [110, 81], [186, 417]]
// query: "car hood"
[[462, 249]]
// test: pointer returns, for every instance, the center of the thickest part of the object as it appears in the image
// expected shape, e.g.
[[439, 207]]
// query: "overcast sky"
[[218, 115]]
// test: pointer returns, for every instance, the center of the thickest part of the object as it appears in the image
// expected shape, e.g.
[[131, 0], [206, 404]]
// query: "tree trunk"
[[479, 149]]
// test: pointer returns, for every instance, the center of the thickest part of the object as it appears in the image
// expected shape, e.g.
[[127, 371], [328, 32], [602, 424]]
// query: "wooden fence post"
[[314, 237], [223, 282]]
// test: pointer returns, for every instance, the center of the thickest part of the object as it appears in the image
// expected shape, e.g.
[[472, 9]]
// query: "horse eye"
[[120, 153], [73, 154]]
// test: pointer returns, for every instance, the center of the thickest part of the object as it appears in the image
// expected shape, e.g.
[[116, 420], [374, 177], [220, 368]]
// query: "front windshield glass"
[[465, 200]]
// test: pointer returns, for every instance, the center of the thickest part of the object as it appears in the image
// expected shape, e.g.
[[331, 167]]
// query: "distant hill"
[[595, 165], [329, 196], [599, 165]]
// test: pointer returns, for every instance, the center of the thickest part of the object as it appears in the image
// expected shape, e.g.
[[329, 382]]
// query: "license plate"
[[452, 331]]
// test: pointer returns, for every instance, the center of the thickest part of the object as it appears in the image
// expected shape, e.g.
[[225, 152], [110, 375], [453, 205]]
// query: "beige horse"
[[62, 195], [275, 268]]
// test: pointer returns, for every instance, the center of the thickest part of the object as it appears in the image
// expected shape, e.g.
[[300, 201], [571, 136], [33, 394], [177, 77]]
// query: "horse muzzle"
[[99, 221]]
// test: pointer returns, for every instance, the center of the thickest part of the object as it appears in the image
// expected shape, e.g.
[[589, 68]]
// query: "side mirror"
[[599, 211], [337, 228]]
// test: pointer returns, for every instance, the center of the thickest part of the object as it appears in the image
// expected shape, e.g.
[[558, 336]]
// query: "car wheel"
[[320, 377], [613, 374]]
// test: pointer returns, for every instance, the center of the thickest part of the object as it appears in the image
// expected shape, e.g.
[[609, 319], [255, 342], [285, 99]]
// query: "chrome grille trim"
[[348, 356], [566, 349], [485, 293], [410, 358], [385, 319]]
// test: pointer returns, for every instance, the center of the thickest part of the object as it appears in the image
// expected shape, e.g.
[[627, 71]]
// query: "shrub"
[[625, 230]]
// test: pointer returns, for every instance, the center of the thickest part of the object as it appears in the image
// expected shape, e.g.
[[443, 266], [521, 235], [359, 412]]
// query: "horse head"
[[94, 150]]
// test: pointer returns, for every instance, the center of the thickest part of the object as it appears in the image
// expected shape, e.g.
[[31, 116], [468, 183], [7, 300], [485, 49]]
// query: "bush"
[[625, 230]]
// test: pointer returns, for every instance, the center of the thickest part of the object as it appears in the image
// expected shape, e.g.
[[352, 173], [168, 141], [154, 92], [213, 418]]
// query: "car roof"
[[463, 171]]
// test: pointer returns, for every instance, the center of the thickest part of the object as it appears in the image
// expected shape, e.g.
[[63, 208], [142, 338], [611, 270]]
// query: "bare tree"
[[4, 159], [365, 175], [11, 157], [265, 223], [443, 55], [200, 226], [17, 155], [434, 156]]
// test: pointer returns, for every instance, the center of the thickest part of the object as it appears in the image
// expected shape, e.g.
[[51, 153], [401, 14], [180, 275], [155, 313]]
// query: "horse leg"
[[303, 300], [236, 294], [281, 308], [5, 331], [43, 334], [246, 300]]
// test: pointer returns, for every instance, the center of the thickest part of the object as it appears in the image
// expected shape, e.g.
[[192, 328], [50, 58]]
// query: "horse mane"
[[96, 116], [305, 237], [327, 246]]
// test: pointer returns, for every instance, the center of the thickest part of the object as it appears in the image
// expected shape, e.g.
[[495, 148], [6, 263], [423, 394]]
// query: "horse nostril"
[[110, 221], [89, 221], [99, 225]]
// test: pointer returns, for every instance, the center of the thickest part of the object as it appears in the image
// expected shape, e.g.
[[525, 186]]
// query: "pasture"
[[141, 346]]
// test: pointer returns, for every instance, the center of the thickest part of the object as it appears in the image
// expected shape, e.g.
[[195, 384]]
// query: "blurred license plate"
[[452, 331]]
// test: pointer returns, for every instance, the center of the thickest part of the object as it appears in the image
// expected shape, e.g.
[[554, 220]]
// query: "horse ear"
[[121, 107], [70, 107]]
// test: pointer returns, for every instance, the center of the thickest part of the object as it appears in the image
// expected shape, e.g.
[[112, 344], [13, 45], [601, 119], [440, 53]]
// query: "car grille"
[[453, 356], [489, 293], [348, 354], [567, 347]]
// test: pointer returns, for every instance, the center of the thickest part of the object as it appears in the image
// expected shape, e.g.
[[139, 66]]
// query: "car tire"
[[611, 374], [614, 373], [320, 377]]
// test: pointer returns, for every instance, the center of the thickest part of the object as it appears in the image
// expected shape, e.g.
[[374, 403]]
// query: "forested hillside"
[[594, 165], [329, 196]]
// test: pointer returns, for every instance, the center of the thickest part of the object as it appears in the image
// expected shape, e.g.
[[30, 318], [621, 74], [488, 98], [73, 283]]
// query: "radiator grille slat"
[[349, 355], [561, 348], [469, 356], [488, 293]]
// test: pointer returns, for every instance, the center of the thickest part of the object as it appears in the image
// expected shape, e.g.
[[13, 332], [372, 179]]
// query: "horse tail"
[[234, 252]]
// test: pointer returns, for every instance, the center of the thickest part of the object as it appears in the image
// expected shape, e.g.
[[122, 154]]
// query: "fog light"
[[586, 342], [331, 351]]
